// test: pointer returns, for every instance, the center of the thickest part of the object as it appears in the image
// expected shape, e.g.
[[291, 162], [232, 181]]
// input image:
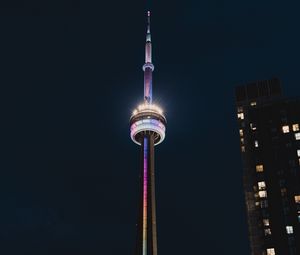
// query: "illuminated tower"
[[147, 129]]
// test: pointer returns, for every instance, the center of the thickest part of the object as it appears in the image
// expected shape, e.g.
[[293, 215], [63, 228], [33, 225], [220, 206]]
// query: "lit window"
[[295, 127], [261, 185], [253, 103], [297, 199], [262, 193], [266, 222], [289, 230], [298, 153], [267, 232], [285, 129], [252, 126], [271, 251], [243, 148], [242, 140], [259, 168], [241, 132], [299, 218], [241, 116], [256, 143], [297, 136]]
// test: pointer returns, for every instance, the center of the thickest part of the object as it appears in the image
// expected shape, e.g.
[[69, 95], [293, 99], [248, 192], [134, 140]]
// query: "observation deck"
[[147, 118]]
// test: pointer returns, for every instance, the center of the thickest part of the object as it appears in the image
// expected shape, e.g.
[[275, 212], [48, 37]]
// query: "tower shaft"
[[147, 235]]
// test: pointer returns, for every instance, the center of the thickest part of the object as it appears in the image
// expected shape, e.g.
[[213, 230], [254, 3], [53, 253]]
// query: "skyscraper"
[[147, 129], [269, 130]]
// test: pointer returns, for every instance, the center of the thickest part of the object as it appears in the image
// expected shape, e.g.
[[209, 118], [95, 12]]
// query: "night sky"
[[71, 74]]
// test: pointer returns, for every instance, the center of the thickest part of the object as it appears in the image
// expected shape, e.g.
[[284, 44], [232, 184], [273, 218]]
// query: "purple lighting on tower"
[[148, 66], [147, 129]]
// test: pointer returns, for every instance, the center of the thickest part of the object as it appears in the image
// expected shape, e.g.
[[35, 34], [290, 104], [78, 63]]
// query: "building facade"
[[269, 131]]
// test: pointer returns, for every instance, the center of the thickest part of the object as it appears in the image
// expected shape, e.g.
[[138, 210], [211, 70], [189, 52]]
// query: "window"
[[271, 251], [252, 126], [262, 193], [264, 204], [289, 230], [281, 182], [261, 185], [259, 168], [253, 103], [241, 132], [297, 136], [297, 199], [298, 153], [295, 127], [256, 143], [299, 218], [285, 129], [240, 109], [242, 140], [241, 116], [267, 231], [266, 222], [243, 148], [283, 191]]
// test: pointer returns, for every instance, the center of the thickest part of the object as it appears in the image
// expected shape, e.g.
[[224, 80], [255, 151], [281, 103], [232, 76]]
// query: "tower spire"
[[148, 67], [148, 36]]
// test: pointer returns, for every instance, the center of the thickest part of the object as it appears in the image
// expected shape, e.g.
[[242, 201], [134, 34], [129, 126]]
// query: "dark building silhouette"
[[269, 130]]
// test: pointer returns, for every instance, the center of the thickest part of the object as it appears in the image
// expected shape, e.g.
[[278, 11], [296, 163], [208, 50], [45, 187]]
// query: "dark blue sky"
[[72, 73]]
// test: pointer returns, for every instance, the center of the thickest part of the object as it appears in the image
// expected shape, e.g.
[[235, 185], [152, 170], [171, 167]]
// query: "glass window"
[[243, 148], [256, 143], [262, 193], [261, 185], [252, 126], [297, 136], [289, 230], [271, 251], [283, 191], [297, 199], [266, 222], [281, 182], [298, 153], [241, 132], [295, 127], [241, 116], [240, 109], [259, 168], [267, 232], [285, 129], [264, 204], [253, 103]]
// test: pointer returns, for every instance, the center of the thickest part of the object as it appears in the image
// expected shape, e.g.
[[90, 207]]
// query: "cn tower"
[[147, 129]]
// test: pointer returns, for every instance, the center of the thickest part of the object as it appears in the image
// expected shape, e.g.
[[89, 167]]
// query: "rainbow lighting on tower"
[[147, 129]]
